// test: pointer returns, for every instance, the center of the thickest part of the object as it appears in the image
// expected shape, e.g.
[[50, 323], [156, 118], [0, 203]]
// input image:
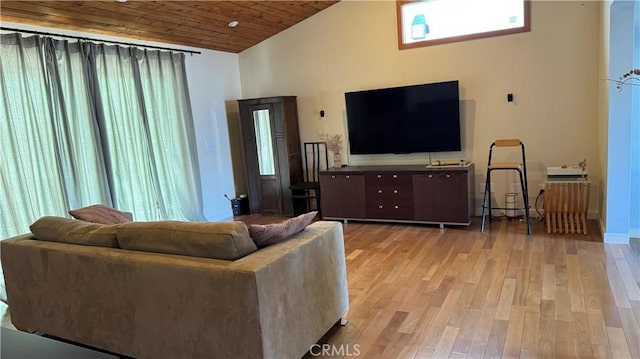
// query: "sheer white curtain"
[[79, 150], [31, 181], [85, 123], [149, 135], [126, 144], [166, 99]]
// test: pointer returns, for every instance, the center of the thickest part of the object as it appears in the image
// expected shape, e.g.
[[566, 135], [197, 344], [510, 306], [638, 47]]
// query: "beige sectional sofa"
[[272, 303]]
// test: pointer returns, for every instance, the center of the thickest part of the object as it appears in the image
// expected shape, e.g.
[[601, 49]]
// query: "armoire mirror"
[[264, 146]]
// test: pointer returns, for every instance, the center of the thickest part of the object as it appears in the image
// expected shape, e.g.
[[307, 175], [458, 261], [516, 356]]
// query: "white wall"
[[552, 72], [603, 109], [622, 216], [619, 127], [213, 78], [634, 225]]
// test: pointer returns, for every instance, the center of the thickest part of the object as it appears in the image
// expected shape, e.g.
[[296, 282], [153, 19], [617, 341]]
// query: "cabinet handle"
[[347, 177], [448, 175], [396, 207], [333, 176], [395, 191], [379, 191], [430, 176], [379, 176], [379, 206], [395, 176]]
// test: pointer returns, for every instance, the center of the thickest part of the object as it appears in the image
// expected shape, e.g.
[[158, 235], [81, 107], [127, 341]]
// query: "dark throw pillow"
[[267, 234], [99, 213]]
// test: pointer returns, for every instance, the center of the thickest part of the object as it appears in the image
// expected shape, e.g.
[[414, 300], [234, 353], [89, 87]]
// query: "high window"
[[433, 22]]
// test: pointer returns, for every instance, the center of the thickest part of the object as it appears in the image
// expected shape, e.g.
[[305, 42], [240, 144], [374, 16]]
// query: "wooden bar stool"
[[521, 168]]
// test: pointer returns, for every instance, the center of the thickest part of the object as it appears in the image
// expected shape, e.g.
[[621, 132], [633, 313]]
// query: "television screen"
[[408, 119]]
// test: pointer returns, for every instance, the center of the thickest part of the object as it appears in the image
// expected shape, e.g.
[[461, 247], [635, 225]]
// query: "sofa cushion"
[[99, 213], [267, 234], [218, 240], [65, 230]]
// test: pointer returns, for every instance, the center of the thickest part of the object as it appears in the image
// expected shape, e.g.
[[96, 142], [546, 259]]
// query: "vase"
[[337, 160]]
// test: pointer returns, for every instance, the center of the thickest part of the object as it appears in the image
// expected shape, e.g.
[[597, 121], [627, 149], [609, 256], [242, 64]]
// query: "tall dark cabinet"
[[273, 158]]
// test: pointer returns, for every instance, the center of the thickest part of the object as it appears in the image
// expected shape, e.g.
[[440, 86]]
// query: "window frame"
[[480, 35]]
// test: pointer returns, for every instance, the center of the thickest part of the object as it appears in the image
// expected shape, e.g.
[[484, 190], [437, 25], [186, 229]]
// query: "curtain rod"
[[90, 39]]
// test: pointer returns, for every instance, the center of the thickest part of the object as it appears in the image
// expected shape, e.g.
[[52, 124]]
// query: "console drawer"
[[389, 196], [389, 211], [386, 179]]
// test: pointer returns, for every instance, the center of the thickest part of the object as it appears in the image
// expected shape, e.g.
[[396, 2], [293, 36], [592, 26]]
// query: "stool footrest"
[[510, 208]]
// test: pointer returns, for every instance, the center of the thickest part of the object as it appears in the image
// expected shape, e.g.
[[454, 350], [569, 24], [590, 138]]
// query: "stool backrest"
[[512, 142]]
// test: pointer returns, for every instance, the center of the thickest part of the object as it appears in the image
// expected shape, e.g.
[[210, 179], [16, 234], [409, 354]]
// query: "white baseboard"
[[616, 238], [634, 233], [635, 244]]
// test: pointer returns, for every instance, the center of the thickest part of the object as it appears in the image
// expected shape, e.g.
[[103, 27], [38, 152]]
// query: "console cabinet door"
[[441, 196], [342, 196], [426, 197], [454, 199]]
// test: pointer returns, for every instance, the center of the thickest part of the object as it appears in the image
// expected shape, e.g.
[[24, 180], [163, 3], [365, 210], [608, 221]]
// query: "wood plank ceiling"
[[202, 24]]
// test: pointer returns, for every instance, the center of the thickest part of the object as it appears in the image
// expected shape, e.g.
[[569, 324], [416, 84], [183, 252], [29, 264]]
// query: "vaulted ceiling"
[[202, 24]]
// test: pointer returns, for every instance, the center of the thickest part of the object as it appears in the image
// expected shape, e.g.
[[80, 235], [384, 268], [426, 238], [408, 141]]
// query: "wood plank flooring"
[[420, 292], [417, 291]]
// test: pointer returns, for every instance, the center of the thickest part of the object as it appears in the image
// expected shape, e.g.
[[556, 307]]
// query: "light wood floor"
[[421, 292]]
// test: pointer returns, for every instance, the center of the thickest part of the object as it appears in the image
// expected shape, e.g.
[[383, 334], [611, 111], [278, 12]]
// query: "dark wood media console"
[[411, 193]]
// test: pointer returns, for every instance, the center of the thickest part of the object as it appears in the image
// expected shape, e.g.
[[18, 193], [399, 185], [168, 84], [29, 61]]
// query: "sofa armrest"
[[302, 288], [3, 288]]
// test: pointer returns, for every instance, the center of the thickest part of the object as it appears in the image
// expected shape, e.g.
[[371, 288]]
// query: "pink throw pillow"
[[99, 213], [268, 234]]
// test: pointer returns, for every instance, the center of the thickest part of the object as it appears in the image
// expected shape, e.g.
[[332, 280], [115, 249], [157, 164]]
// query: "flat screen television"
[[407, 119]]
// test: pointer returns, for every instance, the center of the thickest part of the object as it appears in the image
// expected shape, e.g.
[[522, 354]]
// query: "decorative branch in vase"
[[583, 168], [334, 144], [631, 78]]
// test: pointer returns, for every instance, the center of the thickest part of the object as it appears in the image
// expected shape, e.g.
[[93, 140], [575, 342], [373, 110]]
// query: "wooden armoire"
[[271, 141]]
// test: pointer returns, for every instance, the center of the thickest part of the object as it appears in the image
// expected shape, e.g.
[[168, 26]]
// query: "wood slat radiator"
[[566, 204]]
